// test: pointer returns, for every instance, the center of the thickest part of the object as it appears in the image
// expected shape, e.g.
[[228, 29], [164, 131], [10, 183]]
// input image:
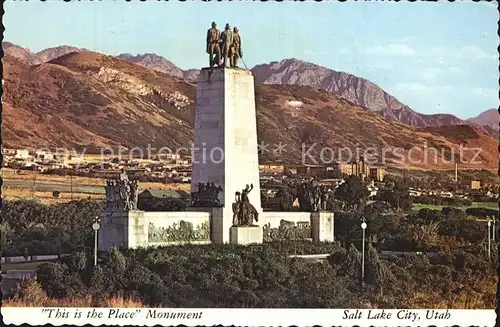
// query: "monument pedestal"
[[322, 226], [125, 229], [225, 140], [244, 235]]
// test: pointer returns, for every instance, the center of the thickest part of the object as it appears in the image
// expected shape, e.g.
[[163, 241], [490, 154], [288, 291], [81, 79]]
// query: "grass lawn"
[[488, 205], [21, 266]]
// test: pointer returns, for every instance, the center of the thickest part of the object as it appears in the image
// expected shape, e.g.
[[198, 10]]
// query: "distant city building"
[[22, 154], [377, 173], [171, 157], [475, 185], [45, 155], [183, 162], [310, 170], [16, 153], [414, 192], [360, 169], [271, 167]]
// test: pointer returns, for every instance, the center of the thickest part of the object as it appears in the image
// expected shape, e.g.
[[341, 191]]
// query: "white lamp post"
[[494, 228], [489, 238], [363, 226], [95, 227]]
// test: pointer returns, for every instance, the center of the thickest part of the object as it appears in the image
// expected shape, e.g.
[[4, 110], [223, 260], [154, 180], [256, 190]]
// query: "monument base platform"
[[245, 235]]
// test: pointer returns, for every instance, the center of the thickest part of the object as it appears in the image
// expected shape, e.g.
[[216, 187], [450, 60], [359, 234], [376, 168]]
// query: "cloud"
[[382, 66], [487, 92], [466, 52], [412, 87], [310, 52], [432, 73], [455, 70], [345, 51], [419, 88], [394, 49]]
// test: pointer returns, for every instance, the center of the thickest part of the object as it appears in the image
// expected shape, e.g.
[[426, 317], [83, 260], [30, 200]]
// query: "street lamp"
[[489, 238], [363, 226], [95, 227], [494, 227]]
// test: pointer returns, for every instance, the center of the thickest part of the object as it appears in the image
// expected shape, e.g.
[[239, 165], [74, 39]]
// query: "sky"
[[434, 57]]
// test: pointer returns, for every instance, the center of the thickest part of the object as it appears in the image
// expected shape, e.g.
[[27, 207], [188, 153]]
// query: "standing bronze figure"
[[237, 209], [237, 51], [227, 44], [213, 48]]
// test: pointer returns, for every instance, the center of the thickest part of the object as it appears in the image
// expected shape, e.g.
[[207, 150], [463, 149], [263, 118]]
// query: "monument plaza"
[[225, 191]]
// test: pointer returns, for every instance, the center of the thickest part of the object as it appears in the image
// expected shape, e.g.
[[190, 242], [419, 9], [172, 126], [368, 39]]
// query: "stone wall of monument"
[[279, 226], [136, 229], [169, 228]]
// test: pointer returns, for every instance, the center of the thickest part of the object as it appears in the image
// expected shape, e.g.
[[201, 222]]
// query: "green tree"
[[376, 272], [397, 195], [58, 281], [353, 192]]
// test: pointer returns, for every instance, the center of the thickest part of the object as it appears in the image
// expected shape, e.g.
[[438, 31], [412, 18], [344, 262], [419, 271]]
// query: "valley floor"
[[488, 205], [29, 184]]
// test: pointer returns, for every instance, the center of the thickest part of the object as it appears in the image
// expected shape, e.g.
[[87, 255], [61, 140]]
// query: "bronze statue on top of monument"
[[224, 49], [213, 47], [237, 50]]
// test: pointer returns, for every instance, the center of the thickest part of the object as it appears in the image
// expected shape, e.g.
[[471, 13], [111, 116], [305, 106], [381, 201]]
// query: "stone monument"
[[225, 149], [224, 156]]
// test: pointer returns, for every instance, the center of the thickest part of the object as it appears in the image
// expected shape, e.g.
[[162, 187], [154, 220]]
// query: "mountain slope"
[[20, 53], [31, 58], [92, 100], [55, 52], [355, 89], [89, 100], [153, 61], [488, 118], [161, 64]]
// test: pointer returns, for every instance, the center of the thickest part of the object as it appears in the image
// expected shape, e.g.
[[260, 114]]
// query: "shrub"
[[47, 229], [263, 276]]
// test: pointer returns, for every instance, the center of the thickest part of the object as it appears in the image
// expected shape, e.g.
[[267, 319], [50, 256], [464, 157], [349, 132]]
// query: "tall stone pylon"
[[225, 148]]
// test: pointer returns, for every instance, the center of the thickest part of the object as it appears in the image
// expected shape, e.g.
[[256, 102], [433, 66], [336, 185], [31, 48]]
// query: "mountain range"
[[488, 118], [69, 97], [288, 71]]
